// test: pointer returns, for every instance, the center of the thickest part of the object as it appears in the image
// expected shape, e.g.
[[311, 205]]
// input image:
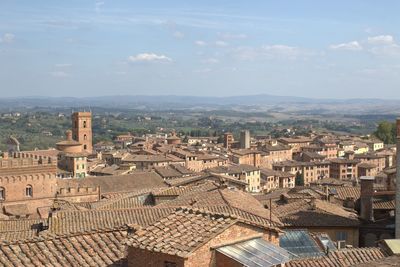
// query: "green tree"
[[386, 132]]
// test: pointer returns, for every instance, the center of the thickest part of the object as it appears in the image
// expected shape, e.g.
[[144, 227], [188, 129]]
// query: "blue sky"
[[340, 49]]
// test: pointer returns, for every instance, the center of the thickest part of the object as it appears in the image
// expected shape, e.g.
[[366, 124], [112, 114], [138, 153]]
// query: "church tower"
[[82, 130]]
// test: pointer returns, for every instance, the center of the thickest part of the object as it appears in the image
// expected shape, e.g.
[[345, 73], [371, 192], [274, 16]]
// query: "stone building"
[[27, 182], [193, 237], [246, 156], [245, 139], [228, 140], [82, 130], [72, 157]]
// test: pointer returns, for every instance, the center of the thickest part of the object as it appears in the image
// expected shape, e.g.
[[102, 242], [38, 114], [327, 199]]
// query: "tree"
[[386, 132]]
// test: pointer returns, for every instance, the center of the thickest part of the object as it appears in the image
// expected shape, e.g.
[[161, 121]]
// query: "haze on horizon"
[[340, 49]]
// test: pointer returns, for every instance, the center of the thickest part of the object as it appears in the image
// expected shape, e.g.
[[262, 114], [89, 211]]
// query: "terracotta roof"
[[118, 183], [379, 204], [341, 258], [127, 201], [223, 197], [344, 192], [12, 230], [177, 191], [181, 232], [184, 180], [167, 172], [146, 158], [16, 210], [92, 249], [367, 165], [303, 213], [391, 261], [68, 222]]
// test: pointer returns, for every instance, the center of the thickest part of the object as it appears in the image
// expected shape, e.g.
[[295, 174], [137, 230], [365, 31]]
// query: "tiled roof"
[[118, 183], [379, 204], [91, 249], [184, 180], [12, 230], [167, 172], [341, 258], [303, 213], [177, 191], [181, 232], [222, 197], [344, 192], [126, 202], [68, 222], [391, 261]]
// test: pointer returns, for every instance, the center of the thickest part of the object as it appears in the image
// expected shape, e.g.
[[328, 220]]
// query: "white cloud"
[[354, 45], [59, 74], [149, 57], [210, 61], [179, 35], [200, 43], [230, 36], [221, 43], [381, 39], [7, 38]]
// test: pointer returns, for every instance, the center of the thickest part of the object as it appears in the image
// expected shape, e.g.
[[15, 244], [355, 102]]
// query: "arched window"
[[84, 146], [84, 124], [28, 191], [84, 137], [2, 193]]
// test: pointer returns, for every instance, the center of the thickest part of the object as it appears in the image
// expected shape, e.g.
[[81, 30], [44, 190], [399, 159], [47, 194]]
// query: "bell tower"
[[82, 130]]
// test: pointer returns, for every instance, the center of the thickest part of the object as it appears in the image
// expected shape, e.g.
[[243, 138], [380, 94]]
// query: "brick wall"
[[203, 256], [141, 258]]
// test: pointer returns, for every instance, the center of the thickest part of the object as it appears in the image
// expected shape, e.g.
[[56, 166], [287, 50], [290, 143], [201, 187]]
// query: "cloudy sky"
[[340, 49]]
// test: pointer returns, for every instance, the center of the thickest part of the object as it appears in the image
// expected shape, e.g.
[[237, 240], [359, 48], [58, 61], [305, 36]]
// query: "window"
[[84, 124], [28, 191], [84, 146], [83, 166], [341, 236], [84, 137], [169, 264], [2, 193]]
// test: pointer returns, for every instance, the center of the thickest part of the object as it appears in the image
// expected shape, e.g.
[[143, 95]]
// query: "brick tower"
[[82, 129]]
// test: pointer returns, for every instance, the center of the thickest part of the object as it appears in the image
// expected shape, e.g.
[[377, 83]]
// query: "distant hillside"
[[164, 102]]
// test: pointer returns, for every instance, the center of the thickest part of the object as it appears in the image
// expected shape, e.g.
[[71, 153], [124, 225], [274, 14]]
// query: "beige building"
[[247, 173]]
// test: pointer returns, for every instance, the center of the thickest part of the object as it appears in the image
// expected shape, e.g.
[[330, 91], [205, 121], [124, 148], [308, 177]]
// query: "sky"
[[320, 49]]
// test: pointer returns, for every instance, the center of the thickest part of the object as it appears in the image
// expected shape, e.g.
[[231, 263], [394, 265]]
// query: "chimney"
[[398, 180], [367, 192]]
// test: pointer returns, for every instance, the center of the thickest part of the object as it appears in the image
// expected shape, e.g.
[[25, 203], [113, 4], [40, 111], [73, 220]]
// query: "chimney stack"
[[367, 192], [398, 180]]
